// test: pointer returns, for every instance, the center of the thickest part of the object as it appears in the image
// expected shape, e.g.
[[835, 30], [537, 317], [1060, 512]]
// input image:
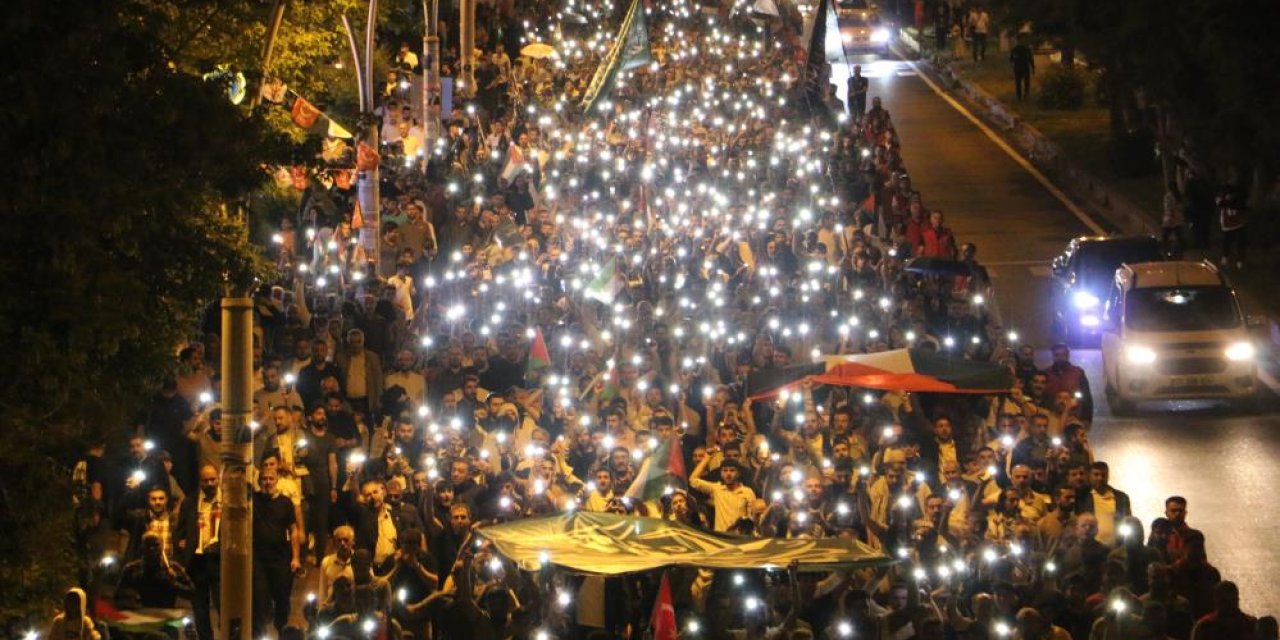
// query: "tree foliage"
[[118, 167], [1208, 64]]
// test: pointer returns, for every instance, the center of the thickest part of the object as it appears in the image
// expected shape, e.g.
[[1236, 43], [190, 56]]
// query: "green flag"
[[630, 50], [605, 287]]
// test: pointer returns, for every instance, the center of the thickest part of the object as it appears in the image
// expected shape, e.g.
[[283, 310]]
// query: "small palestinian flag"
[[539, 356], [605, 287], [662, 471]]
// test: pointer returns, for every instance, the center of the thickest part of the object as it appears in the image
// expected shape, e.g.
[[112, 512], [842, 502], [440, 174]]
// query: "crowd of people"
[[557, 295]]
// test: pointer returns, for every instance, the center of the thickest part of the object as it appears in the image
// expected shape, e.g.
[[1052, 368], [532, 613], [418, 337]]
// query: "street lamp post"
[[236, 531], [430, 79], [368, 175], [466, 47]]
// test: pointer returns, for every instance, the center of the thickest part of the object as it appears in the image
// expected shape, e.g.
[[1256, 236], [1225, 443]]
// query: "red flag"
[[298, 177], [357, 218], [304, 114], [869, 204], [366, 157], [663, 620]]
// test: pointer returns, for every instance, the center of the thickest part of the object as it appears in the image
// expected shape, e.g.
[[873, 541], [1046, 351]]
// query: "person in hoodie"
[[74, 622]]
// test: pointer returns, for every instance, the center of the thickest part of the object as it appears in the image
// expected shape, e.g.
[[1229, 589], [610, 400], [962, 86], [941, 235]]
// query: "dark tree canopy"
[[118, 166]]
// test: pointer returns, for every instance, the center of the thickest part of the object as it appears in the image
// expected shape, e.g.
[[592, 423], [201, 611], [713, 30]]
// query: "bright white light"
[[1139, 354], [1084, 300], [1240, 351]]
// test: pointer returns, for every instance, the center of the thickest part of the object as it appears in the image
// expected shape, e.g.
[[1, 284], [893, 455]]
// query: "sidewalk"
[[1071, 147]]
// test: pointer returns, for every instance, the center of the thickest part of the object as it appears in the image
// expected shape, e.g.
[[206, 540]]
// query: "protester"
[[614, 313]]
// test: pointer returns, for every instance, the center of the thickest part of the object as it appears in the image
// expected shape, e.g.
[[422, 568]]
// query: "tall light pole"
[[430, 79], [236, 532], [466, 46], [367, 176]]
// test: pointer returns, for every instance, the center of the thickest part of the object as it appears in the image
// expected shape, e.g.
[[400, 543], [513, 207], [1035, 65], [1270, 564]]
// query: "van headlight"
[[1138, 354], [1240, 351], [880, 35], [1084, 300]]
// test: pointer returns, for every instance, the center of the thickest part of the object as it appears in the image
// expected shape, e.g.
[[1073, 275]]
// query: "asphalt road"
[[1220, 460]]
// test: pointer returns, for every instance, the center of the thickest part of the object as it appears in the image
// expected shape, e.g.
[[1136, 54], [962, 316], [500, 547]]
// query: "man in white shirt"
[[731, 498], [1109, 504], [404, 376]]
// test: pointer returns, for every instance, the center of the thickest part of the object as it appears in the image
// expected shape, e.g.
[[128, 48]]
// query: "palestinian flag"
[[915, 370], [663, 620], [539, 357], [773, 379], [663, 469], [630, 50], [604, 385], [605, 287], [140, 621]]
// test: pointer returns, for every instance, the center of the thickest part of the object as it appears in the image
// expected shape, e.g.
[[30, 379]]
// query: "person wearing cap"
[[731, 499]]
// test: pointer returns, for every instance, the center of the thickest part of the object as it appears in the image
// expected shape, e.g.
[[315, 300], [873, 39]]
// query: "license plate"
[[1191, 381]]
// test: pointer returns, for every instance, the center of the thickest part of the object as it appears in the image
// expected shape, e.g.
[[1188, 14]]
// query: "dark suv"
[[1083, 275]]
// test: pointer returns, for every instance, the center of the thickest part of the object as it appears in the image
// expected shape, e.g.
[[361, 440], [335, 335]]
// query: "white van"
[[1174, 330]]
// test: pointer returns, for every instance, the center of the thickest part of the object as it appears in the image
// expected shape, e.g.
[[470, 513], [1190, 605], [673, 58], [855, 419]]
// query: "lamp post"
[[368, 175], [466, 46], [430, 79], [236, 530]]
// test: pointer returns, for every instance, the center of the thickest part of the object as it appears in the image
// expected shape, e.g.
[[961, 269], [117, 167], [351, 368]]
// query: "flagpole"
[[269, 49]]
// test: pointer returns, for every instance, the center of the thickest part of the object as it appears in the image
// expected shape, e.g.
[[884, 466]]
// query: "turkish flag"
[[663, 620], [304, 113], [298, 177], [366, 157]]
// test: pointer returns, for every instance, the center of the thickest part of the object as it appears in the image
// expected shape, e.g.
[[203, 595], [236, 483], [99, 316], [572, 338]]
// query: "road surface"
[[1221, 461]]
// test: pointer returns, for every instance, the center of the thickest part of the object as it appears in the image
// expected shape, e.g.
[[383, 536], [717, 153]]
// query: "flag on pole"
[[605, 287], [663, 619], [825, 32], [630, 50], [539, 356], [357, 217], [304, 114], [662, 470]]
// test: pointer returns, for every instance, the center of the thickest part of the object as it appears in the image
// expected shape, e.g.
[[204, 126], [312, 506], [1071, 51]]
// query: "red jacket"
[[938, 243]]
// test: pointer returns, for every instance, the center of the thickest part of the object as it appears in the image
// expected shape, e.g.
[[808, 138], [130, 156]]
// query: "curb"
[[1115, 209]]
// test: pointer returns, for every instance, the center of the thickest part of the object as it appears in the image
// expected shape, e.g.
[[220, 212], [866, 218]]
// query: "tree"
[[118, 167]]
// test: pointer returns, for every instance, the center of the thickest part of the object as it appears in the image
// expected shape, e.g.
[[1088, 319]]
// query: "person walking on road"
[[1173, 222], [1233, 217], [1024, 65], [858, 86], [979, 25]]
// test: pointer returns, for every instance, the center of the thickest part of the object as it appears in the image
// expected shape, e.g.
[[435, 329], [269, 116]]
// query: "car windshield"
[[1098, 261], [1181, 309]]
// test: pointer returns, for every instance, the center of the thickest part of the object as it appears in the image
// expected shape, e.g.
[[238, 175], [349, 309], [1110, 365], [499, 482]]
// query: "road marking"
[[1010, 151]]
